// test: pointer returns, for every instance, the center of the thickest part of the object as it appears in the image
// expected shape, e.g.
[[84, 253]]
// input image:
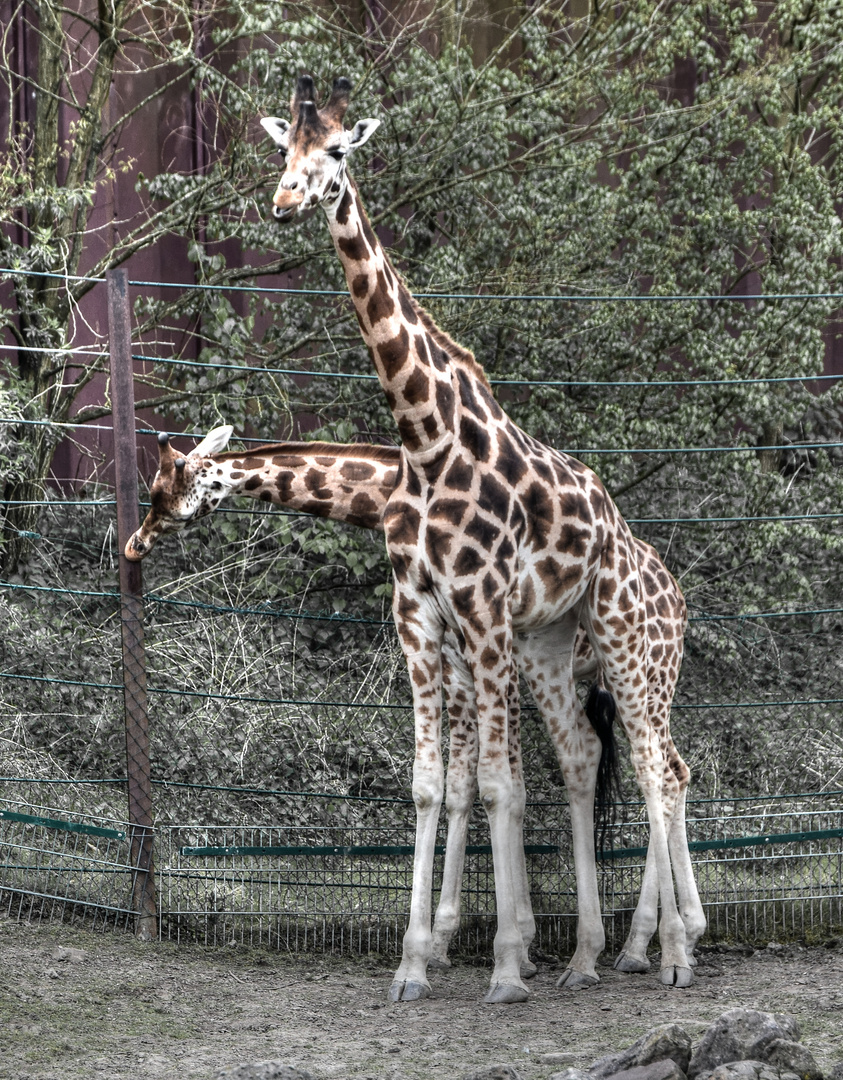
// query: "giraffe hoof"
[[674, 975], [408, 991], [570, 979], [527, 969], [506, 994], [438, 963], [634, 964]]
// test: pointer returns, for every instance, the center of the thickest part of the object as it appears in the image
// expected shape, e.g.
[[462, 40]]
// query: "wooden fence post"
[[131, 607]]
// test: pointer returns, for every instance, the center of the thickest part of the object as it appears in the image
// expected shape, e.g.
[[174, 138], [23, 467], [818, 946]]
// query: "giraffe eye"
[[336, 152]]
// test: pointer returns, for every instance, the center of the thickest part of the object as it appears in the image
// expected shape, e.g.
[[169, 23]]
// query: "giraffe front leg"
[[460, 792], [492, 670], [520, 881], [506, 984], [458, 803], [461, 789], [410, 980], [424, 663]]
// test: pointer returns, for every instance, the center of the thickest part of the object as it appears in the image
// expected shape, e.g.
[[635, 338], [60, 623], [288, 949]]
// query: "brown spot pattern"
[[394, 353]]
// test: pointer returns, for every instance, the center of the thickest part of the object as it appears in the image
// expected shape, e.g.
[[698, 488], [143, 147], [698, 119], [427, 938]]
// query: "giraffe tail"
[[600, 710]]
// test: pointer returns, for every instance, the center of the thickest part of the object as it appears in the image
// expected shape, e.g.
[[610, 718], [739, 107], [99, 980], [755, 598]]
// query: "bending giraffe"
[[353, 484], [491, 534]]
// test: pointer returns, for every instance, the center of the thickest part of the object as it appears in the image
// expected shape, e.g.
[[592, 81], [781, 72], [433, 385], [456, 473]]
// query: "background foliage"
[[648, 148]]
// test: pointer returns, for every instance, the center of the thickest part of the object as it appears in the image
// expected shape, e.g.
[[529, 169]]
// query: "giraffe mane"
[[345, 450], [462, 356], [458, 353]]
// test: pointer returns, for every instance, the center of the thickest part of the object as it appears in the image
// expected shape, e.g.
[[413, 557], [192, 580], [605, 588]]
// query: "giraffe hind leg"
[[625, 668]]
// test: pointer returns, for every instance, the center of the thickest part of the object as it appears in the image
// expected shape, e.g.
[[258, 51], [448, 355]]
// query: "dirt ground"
[[124, 1009]]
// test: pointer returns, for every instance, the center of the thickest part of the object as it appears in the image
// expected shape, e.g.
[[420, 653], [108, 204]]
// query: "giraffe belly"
[[547, 595]]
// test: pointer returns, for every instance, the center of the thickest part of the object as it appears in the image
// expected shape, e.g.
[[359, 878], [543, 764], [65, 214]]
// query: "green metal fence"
[[767, 871], [55, 862]]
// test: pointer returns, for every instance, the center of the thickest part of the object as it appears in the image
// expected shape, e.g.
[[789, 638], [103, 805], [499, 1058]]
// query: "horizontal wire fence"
[[331, 870]]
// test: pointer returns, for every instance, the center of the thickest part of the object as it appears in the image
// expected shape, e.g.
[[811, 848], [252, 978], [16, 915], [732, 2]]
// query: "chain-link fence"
[[766, 872], [56, 862]]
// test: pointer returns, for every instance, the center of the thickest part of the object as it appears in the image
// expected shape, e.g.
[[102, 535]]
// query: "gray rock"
[[793, 1057], [494, 1072], [743, 1070], [750, 1070], [835, 1072], [667, 1041], [68, 956], [666, 1069], [262, 1070], [557, 1057], [738, 1070], [740, 1035]]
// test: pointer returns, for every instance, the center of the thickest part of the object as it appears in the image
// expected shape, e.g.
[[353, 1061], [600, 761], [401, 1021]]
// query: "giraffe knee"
[[460, 796], [428, 789]]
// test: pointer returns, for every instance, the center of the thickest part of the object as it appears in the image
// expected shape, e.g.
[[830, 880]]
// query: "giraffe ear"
[[277, 129], [213, 442], [361, 132]]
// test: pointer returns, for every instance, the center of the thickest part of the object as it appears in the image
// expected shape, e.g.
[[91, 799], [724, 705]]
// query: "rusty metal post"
[[131, 607]]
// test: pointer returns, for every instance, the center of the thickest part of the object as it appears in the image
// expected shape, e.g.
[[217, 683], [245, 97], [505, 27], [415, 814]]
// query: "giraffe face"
[[183, 491], [315, 146]]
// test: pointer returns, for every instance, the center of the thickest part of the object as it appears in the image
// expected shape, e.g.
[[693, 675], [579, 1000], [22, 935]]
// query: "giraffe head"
[[183, 491], [315, 145]]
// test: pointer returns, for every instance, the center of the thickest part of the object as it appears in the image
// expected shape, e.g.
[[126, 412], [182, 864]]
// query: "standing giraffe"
[[353, 484], [492, 534]]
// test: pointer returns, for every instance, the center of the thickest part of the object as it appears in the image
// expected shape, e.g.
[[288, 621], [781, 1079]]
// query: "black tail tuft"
[[600, 710]]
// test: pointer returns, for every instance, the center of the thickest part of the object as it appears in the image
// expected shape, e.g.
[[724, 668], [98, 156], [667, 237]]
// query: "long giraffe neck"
[[418, 365], [343, 483]]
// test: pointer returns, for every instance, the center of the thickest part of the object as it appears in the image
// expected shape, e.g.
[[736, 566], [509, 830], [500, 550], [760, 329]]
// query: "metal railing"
[[770, 871]]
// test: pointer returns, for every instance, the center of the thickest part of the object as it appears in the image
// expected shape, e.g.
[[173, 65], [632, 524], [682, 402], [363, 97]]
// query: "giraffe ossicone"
[[353, 484]]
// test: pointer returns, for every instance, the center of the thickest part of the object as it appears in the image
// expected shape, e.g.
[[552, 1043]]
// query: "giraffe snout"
[[287, 199], [135, 548]]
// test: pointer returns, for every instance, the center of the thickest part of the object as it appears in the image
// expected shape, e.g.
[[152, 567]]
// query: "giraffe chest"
[[495, 549]]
